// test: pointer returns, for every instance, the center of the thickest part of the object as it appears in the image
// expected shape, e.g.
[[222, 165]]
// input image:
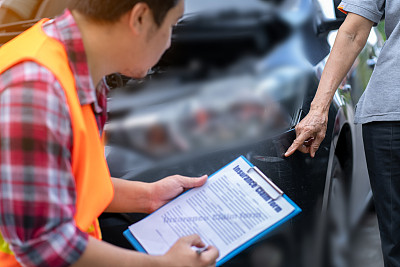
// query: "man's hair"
[[111, 10]]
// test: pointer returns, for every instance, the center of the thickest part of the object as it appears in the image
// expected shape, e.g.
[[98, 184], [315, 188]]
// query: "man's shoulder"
[[31, 78], [27, 72], [24, 72]]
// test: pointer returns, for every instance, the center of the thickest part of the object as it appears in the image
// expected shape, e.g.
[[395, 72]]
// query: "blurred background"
[[237, 79], [239, 76]]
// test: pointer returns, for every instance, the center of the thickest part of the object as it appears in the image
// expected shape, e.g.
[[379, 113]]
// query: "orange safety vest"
[[92, 178]]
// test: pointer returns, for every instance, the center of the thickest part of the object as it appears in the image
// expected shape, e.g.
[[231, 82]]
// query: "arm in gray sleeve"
[[372, 10]]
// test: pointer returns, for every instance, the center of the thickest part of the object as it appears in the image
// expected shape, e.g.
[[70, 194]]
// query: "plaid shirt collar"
[[65, 30]]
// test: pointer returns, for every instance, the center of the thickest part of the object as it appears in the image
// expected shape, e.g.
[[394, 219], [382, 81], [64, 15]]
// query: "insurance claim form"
[[232, 208]]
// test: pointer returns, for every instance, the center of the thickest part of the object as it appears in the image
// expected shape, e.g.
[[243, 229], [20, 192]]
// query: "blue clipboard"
[[136, 244]]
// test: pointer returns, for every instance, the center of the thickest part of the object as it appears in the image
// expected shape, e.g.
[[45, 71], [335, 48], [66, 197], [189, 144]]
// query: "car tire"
[[337, 234]]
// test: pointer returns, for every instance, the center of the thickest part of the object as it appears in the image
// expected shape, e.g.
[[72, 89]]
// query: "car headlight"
[[223, 112]]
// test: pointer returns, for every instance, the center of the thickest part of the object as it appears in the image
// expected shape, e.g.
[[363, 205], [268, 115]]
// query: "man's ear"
[[140, 17]]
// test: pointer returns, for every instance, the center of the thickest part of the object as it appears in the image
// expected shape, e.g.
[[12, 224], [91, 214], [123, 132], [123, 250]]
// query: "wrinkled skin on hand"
[[310, 133]]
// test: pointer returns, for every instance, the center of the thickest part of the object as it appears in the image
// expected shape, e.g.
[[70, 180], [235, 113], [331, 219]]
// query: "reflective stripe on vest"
[[92, 178]]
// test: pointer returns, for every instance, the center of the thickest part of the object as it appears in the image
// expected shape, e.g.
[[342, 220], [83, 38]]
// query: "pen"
[[200, 250]]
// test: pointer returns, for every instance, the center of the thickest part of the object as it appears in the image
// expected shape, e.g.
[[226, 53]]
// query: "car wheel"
[[337, 226]]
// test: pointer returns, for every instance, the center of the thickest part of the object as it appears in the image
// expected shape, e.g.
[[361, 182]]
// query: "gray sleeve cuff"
[[365, 12]]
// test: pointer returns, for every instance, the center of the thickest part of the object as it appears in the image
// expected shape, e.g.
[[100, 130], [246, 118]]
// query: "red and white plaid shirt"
[[37, 189]]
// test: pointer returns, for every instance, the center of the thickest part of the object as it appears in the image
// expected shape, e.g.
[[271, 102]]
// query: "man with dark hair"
[[54, 180], [110, 11]]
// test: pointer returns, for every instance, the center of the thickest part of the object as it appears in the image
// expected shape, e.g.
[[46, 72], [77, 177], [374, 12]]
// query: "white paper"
[[226, 212]]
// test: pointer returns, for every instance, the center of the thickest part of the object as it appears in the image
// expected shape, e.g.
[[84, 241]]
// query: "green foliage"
[[381, 29]]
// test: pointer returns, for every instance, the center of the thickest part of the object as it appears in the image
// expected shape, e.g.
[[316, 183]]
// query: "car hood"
[[207, 6]]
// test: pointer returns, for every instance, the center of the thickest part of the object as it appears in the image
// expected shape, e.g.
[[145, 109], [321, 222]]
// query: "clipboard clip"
[[278, 191]]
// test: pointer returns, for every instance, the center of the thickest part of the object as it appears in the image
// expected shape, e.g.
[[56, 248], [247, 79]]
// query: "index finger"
[[299, 141]]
